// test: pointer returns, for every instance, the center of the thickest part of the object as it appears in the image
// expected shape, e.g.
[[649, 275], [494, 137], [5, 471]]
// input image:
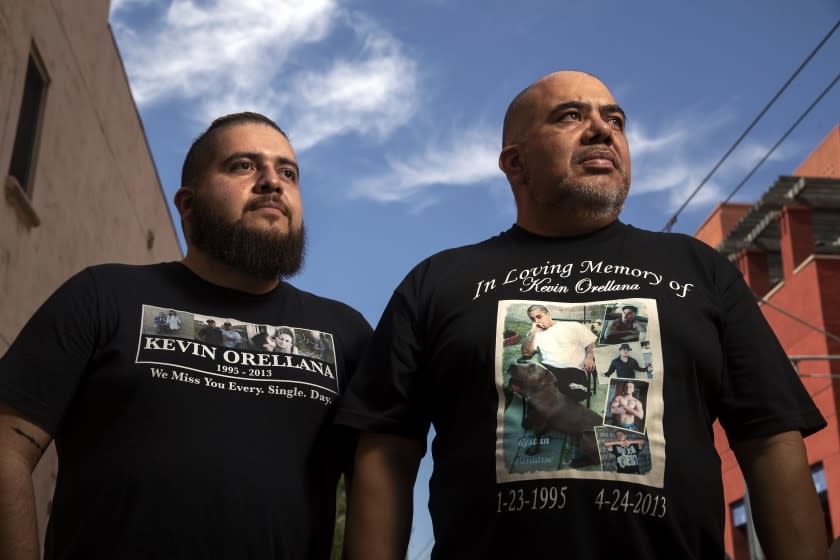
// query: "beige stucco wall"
[[95, 188]]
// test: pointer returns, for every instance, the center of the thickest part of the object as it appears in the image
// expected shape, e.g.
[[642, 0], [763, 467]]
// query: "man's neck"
[[561, 224], [216, 272]]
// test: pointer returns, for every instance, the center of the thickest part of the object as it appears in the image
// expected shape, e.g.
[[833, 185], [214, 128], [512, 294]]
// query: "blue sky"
[[395, 109]]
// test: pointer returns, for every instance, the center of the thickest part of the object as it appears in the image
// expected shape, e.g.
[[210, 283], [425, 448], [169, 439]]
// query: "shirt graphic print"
[[225, 354], [569, 418]]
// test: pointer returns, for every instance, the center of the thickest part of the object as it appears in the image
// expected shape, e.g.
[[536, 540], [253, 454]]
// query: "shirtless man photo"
[[625, 408]]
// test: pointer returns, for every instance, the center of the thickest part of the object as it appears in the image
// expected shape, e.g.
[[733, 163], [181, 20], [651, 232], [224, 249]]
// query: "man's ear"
[[183, 201], [510, 162]]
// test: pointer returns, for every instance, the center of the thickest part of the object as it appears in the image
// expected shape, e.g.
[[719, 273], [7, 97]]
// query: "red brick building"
[[787, 246]]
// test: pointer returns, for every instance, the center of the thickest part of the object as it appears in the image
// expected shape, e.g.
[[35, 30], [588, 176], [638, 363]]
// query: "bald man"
[[437, 357]]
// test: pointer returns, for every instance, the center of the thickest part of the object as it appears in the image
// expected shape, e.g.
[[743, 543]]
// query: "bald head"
[[521, 111], [565, 154]]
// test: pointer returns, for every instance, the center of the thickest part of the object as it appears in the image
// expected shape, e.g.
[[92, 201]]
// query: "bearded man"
[[438, 356], [179, 447]]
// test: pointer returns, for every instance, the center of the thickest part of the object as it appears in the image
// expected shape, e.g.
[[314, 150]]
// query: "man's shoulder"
[[317, 302], [115, 277], [120, 270], [665, 239], [462, 252], [439, 266], [678, 251]]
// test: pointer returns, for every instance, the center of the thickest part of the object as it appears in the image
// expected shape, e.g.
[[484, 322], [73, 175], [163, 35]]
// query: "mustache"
[[266, 200], [599, 150]]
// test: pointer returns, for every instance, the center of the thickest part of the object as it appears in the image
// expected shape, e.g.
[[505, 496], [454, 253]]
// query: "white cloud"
[[373, 94], [642, 144], [675, 161], [466, 158], [198, 51], [277, 57], [709, 195]]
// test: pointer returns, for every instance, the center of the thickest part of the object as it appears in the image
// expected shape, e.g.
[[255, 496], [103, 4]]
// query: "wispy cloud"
[[273, 56], [670, 162], [196, 51], [675, 160], [372, 94], [468, 157]]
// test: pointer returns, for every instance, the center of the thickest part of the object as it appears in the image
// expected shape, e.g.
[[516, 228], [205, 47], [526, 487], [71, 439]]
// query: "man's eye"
[[617, 122], [242, 165], [289, 174], [570, 116]]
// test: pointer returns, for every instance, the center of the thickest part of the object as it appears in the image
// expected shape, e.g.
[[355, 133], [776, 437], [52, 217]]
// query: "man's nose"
[[268, 180], [598, 132]]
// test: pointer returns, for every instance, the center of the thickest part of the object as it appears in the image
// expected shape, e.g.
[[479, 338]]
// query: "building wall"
[[825, 160], [95, 188], [720, 222]]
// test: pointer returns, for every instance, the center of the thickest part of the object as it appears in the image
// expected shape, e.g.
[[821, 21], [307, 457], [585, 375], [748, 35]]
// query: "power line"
[[673, 219], [782, 139]]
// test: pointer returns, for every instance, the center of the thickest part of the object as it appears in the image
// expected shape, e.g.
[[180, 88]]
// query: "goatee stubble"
[[593, 200]]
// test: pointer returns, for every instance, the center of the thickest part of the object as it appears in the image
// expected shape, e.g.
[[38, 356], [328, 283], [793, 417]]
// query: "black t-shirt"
[[442, 355], [172, 447]]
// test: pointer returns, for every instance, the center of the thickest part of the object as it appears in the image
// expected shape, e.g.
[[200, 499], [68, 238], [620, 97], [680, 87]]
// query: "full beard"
[[265, 253]]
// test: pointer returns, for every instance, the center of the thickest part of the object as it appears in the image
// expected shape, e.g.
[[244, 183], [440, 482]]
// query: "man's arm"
[[21, 445], [528, 346], [783, 500], [380, 504], [589, 360]]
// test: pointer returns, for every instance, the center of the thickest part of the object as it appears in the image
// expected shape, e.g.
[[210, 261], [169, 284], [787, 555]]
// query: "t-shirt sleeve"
[[386, 393], [761, 393], [41, 371], [587, 337], [356, 340]]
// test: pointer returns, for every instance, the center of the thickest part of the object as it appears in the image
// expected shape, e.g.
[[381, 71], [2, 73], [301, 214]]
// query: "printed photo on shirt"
[[628, 360], [624, 321], [233, 355], [623, 451], [626, 404], [554, 391], [294, 341], [208, 329], [167, 322], [268, 339]]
